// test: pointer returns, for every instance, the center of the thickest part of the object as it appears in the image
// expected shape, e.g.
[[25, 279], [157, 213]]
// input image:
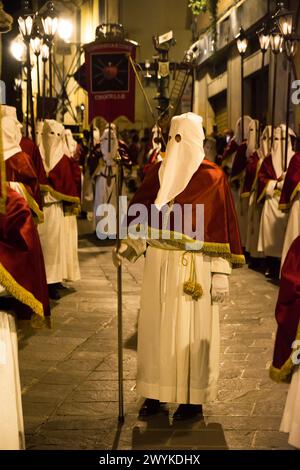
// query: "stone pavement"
[[69, 373]]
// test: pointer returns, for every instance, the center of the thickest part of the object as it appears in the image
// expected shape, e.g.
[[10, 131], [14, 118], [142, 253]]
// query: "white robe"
[[178, 338], [291, 416], [293, 227], [11, 414], [71, 271], [253, 223], [104, 193], [272, 225], [51, 234]]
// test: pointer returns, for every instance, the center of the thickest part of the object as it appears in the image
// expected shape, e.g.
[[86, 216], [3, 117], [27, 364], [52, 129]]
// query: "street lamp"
[[50, 24], [276, 46], [264, 42], [290, 50], [45, 57], [284, 19], [25, 22], [18, 49], [242, 44], [36, 44], [65, 29]]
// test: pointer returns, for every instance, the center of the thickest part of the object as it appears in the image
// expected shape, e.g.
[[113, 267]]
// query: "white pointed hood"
[[252, 137], [10, 137], [238, 129], [265, 139], [71, 143], [278, 149], [109, 145], [11, 112], [184, 155], [52, 146]]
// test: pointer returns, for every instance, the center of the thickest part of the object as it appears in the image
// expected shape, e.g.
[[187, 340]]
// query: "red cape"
[[63, 182], [287, 315], [266, 173], [250, 175], [209, 187], [22, 269], [291, 183], [29, 147], [239, 162], [19, 169]]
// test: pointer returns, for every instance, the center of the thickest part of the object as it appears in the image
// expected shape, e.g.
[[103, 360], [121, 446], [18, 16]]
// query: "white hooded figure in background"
[[105, 182], [71, 270], [71, 143], [52, 149], [273, 221], [252, 134], [178, 338], [255, 210], [38, 132]]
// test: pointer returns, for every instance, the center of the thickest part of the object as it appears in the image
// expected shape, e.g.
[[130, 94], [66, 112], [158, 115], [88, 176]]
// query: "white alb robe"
[[291, 417], [293, 227], [272, 224], [51, 233], [11, 414], [71, 271], [105, 190], [178, 338]]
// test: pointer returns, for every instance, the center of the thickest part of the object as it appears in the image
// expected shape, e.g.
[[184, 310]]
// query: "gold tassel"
[[191, 287]]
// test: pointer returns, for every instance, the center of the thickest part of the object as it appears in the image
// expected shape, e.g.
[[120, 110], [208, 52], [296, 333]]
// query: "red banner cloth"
[[110, 80]]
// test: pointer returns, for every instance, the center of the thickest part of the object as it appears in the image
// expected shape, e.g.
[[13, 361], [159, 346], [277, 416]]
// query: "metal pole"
[[274, 99], [262, 83], [242, 95], [38, 76], [50, 70], [29, 91], [288, 114], [44, 89], [119, 288]]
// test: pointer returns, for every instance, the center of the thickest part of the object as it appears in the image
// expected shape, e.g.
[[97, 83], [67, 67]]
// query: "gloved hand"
[[117, 254], [219, 287]]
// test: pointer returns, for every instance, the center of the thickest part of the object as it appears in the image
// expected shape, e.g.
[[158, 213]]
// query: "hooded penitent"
[[287, 316], [184, 155], [70, 142], [272, 167], [183, 177], [236, 141], [246, 148], [255, 160], [60, 179], [19, 166]]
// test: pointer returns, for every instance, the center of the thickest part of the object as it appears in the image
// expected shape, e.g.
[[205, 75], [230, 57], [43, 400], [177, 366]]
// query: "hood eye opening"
[[178, 137]]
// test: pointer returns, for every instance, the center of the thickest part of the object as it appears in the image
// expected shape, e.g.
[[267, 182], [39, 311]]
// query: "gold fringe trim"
[[263, 193], [19, 292], [60, 196], [33, 205], [179, 241], [284, 374], [287, 206]]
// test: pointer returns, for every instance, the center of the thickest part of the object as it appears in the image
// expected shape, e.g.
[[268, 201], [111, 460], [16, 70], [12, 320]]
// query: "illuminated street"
[[69, 375]]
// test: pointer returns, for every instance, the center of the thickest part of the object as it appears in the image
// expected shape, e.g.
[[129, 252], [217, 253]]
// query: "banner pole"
[[119, 291]]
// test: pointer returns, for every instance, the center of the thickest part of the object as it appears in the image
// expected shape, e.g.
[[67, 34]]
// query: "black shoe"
[[151, 407], [59, 285], [53, 292], [187, 411]]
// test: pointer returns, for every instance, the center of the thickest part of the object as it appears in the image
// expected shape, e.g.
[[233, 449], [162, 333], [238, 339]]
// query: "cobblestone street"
[[69, 373]]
